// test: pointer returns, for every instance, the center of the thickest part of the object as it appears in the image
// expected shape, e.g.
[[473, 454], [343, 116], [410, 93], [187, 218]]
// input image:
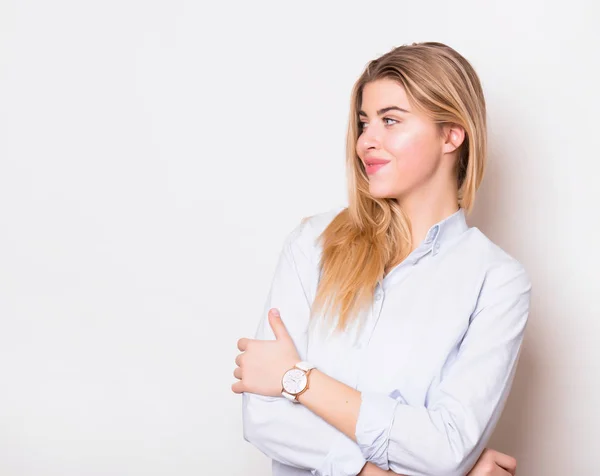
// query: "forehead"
[[383, 93]]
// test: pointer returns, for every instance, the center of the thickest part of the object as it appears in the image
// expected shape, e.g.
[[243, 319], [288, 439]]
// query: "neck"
[[427, 207]]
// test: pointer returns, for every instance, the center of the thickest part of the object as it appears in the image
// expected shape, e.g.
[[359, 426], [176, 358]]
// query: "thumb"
[[277, 325]]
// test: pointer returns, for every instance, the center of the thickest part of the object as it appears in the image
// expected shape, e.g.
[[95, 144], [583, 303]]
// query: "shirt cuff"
[[373, 426], [344, 459]]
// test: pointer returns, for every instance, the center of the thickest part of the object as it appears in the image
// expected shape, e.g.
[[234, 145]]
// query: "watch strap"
[[289, 396], [306, 366]]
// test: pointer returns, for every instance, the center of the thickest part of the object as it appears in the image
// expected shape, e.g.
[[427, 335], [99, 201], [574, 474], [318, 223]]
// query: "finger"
[[243, 344], [502, 472], [506, 462], [237, 373], [238, 360], [238, 387], [277, 325]]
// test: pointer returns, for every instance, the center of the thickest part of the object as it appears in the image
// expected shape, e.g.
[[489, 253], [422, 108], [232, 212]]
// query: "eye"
[[362, 125]]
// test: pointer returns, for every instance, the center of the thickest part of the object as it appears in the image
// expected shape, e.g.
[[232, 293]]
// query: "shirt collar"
[[443, 232], [439, 235]]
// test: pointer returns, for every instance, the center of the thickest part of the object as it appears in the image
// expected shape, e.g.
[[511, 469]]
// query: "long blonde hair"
[[371, 235]]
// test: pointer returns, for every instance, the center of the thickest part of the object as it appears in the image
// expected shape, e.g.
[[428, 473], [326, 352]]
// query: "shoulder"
[[308, 229], [495, 259], [303, 238], [318, 222], [502, 275]]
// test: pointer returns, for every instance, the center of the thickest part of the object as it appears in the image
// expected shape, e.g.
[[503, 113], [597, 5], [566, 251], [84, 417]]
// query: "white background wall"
[[153, 155]]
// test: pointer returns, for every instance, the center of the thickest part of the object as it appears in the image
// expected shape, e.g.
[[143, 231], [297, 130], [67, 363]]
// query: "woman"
[[400, 326]]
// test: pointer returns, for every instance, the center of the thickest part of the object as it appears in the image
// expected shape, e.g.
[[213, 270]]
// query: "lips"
[[372, 165], [375, 161]]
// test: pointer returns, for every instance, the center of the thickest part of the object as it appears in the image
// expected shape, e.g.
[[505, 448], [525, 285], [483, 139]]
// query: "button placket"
[[369, 325], [376, 307]]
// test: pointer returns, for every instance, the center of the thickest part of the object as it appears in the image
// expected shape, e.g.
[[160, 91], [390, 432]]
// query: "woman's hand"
[[494, 463], [262, 364]]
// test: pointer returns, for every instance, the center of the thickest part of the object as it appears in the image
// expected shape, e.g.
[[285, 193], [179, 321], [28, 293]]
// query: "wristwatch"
[[295, 381]]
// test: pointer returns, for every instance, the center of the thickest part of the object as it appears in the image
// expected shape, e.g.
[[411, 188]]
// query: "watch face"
[[294, 381]]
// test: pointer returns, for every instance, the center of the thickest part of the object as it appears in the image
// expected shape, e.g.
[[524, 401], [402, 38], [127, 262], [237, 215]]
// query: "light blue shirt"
[[434, 357]]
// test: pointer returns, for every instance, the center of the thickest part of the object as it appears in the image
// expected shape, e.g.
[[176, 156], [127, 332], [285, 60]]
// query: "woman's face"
[[393, 131]]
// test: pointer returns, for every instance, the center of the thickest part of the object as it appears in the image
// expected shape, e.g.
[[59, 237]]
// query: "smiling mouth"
[[372, 168]]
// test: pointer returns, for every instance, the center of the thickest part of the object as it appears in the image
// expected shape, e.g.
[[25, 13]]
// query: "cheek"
[[410, 150]]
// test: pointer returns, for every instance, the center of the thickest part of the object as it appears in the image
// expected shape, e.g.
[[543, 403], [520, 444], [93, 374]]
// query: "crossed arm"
[[332, 401], [337, 430]]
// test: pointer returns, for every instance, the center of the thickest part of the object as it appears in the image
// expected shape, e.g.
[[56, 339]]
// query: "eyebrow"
[[384, 110]]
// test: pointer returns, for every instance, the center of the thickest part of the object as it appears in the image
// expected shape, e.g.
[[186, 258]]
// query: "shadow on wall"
[[496, 217]]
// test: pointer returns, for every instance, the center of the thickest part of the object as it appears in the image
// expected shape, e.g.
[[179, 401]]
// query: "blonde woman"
[[399, 326]]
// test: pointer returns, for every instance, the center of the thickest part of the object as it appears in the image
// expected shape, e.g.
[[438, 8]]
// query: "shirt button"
[[377, 296]]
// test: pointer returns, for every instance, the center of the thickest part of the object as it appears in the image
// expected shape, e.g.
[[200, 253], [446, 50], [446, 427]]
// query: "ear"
[[454, 136]]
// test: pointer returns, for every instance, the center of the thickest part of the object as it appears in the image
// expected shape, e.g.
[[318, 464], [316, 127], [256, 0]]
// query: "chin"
[[382, 191]]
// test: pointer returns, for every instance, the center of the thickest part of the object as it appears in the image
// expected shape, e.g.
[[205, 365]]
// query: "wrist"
[[313, 379]]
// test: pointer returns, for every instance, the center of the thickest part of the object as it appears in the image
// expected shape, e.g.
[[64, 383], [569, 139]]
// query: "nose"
[[370, 138]]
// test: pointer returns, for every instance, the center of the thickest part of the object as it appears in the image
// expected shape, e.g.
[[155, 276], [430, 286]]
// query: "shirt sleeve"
[[285, 431], [448, 434]]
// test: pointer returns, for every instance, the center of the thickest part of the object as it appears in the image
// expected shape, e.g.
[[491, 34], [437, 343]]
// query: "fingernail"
[[275, 313]]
